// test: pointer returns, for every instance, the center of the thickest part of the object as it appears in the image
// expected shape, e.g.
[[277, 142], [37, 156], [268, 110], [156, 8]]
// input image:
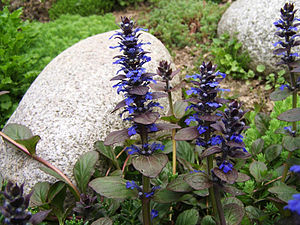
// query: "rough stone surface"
[[253, 21], [69, 106]]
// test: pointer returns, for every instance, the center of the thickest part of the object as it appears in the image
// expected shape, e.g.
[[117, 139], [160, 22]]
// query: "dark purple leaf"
[[116, 137], [230, 177], [233, 213], [179, 185], [159, 86], [221, 100], [187, 165], [119, 105], [210, 151], [218, 126], [146, 118], [156, 95], [262, 121], [119, 77], [39, 217], [174, 73], [150, 166], [139, 90], [233, 190], [149, 74], [166, 126], [242, 178], [272, 152], [193, 100], [198, 181], [291, 143], [292, 115], [279, 51], [279, 95], [239, 154], [257, 146], [210, 118], [234, 144], [187, 134]]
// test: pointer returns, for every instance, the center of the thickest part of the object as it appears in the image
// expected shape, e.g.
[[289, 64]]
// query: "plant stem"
[[294, 124], [211, 189], [46, 163], [219, 204], [146, 202], [173, 134]]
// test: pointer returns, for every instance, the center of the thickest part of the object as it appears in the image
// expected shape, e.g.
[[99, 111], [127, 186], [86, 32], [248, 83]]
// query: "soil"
[[250, 93]]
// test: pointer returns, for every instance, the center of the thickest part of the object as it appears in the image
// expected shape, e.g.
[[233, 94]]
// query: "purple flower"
[[132, 185], [294, 204], [201, 129], [132, 130], [132, 149], [190, 119]]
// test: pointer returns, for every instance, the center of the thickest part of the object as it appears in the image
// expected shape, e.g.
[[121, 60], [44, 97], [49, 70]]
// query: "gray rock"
[[69, 105], [253, 21]]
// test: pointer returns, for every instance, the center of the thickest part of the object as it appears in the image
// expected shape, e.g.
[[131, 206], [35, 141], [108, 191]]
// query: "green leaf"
[[112, 187], [233, 214], [168, 147], [17, 131], [55, 189], [166, 196], [179, 185], [30, 143], [171, 119], [291, 143], [185, 150], [189, 217], [179, 108], [254, 213], [262, 122], [84, 169], [52, 173], [39, 196], [272, 152], [103, 221], [58, 200], [283, 191], [150, 166], [292, 115], [280, 95], [208, 220], [260, 68], [107, 151], [257, 146], [257, 169], [230, 200], [198, 181]]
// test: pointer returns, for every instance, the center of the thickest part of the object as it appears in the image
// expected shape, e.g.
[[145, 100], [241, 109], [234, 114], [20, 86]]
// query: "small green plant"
[[273, 80], [230, 57], [183, 23], [86, 7]]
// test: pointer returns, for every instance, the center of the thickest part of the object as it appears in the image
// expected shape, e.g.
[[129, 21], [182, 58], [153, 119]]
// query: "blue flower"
[[132, 149], [190, 119], [295, 168], [294, 204], [226, 166], [283, 86], [200, 142], [132, 185], [201, 129], [154, 213], [151, 193], [238, 138], [216, 140], [132, 130]]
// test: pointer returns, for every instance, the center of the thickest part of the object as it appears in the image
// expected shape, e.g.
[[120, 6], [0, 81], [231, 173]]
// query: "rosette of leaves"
[[14, 208], [287, 30], [88, 207]]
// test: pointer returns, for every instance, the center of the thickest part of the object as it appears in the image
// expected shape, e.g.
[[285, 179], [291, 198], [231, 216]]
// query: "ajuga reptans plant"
[[287, 28], [138, 108]]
